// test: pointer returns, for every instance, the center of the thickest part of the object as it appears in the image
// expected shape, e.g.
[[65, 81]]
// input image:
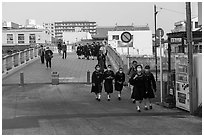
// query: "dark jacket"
[[138, 86], [108, 84], [48, 54], [119, 80], [97, 80], [150, 85]]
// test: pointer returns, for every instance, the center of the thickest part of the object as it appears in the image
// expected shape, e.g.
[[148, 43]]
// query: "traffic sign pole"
[[127, 37], [161, 71]]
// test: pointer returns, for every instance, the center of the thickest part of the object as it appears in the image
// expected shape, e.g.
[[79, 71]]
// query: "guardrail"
[[114, 57], [15, 60]]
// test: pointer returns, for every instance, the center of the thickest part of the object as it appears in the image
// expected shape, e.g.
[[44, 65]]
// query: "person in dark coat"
[[97, 81], [108, 84], [138, 82], [79, 51], [64, 49], [130, 73], [41, 53], [119, 81], [150, 85], [48, 57], [101, 60], [59, 46]]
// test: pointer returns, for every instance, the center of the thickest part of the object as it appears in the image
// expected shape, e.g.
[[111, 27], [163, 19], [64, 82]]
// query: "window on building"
[[32, 38], [9, 38], [200, 48], [116, 37], [21, 38], [196, 24]]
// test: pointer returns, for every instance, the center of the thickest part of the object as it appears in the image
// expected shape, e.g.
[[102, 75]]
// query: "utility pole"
[[155, 29], [190, 56]]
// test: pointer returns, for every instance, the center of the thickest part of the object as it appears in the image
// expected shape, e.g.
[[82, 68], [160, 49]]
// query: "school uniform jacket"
[[119, 80], [108, 84]]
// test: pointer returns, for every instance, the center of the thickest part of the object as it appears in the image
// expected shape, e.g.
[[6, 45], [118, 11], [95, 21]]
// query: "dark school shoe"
[[150, 107], [119, 98]]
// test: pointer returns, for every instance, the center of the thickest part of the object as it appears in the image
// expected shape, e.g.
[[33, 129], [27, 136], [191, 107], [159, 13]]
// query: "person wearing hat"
[[48, 57], [108, 84], [150, 85], [138, 82], [119, 80], [97, 81]]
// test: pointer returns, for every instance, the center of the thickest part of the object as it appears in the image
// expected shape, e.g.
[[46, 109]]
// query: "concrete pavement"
[[71, 109], [71, 69]]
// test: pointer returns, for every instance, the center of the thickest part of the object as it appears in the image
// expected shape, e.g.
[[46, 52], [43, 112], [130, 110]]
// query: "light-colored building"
[[181, 25], [141, 43], [10, 25], [73, 37], [30, 23], [50, 27], [25, 37], [74, 26]]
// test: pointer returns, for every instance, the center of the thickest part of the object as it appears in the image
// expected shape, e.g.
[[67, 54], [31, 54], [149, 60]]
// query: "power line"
[[179, 12], [161, 8]]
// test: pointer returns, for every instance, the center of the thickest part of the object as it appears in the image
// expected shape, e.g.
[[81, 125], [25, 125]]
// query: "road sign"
[[158, 32], [126, 37]]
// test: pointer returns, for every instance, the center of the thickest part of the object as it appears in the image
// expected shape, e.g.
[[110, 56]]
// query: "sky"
[[104, 13]]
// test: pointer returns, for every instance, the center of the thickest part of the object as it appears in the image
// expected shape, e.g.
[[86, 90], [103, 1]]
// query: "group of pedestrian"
[[106, 77], [45, 55], [142, 83], [88, 50], [62, 47]]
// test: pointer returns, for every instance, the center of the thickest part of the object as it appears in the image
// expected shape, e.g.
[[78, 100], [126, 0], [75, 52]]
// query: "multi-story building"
[[50, 27], [74, 26], [10, 25], [181, 25]]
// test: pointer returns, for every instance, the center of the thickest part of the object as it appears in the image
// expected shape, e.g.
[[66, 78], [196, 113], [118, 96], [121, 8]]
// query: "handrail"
[[114, 55], [11, 62]]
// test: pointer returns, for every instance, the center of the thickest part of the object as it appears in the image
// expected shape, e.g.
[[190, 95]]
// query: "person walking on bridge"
[[150, 84], [119, 81], [138, 82], [97, 81], [64, 50], [131, 72], [109, 76], [41, 53], [48, 57]]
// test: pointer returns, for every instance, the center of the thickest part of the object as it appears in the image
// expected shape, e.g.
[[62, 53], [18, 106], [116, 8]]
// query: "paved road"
[[71, 69], [71, 109]]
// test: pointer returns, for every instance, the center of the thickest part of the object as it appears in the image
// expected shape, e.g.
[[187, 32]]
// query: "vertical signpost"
[[126, 37], [160, 34]]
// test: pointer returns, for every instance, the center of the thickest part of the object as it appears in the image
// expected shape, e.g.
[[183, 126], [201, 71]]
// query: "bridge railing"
[[114, 58], [15, 60]]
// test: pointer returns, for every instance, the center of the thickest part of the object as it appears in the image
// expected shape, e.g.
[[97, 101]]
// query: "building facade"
[[10, 25], [141, 43], [181, 25], [25, 37], [74, 26], [50, 27]]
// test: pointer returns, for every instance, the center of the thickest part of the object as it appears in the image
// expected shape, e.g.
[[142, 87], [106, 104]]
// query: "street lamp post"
[[155, 29]]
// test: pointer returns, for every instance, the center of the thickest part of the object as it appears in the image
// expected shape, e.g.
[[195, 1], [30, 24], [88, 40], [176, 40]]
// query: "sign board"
[[126, 37], [158, 32]]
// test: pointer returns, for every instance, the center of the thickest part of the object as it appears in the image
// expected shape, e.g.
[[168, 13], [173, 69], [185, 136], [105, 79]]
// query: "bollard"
[[88, 77], [21, 79], [55, 78]]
